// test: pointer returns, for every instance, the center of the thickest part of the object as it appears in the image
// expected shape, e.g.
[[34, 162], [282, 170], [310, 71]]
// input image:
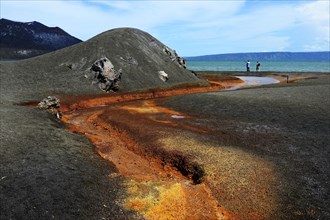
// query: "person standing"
[[258, 66], [248, 66]]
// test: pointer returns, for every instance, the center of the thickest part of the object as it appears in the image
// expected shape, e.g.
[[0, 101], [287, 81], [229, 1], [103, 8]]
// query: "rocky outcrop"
[[52, 105], [175, 57], [105, 75]]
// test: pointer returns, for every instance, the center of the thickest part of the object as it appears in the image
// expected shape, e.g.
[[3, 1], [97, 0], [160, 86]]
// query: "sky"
[[192, 28]]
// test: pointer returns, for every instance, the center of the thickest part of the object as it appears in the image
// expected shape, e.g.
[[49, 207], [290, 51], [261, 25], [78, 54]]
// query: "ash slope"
[[47, 172], [138, 54]]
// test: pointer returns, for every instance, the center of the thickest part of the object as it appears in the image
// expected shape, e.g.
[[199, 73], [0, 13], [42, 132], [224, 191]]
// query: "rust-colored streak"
[[164, 184], [173, 170], [70, 104], [175, 194]]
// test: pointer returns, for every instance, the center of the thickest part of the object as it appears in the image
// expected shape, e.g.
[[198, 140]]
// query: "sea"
[[269, 66]]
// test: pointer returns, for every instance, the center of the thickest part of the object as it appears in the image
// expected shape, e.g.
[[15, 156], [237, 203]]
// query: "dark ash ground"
[[47, 172], [287, 125]]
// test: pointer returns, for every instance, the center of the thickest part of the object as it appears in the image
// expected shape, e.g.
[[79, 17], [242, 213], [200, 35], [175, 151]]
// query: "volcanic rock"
[[52, 105], [105, 74], [163, 76], [175, 57]]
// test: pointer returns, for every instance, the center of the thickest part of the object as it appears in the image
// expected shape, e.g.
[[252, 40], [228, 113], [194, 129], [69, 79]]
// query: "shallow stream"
[[252, 81]]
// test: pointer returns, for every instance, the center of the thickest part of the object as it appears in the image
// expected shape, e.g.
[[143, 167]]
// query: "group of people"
[[248, 65]]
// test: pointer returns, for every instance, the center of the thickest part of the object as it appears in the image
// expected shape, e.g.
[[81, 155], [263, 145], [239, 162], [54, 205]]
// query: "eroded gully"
[[161, 183]]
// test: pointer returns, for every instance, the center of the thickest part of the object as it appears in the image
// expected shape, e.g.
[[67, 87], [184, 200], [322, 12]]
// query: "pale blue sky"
[[191, 27]]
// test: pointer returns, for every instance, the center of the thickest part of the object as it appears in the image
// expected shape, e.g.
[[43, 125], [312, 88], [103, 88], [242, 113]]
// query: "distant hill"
[[21, 40], [266, 56]]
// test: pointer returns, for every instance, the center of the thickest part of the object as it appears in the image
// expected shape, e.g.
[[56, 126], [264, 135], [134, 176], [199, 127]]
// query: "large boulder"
[[105, 75]]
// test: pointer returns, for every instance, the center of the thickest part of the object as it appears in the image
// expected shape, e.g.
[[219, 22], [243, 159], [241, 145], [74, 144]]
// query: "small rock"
[[52, 105], [163, 76], [49, 102]]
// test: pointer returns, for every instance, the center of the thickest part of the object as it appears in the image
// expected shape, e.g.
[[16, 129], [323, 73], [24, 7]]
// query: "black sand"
[[48, 173], [287, 125]]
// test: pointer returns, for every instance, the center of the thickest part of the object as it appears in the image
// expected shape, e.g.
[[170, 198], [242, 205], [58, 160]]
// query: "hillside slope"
[[67, 71], [21, 40], [48, 172]]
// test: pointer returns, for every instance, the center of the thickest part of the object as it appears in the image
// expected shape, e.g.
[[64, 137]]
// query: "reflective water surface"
[[250, 81]]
